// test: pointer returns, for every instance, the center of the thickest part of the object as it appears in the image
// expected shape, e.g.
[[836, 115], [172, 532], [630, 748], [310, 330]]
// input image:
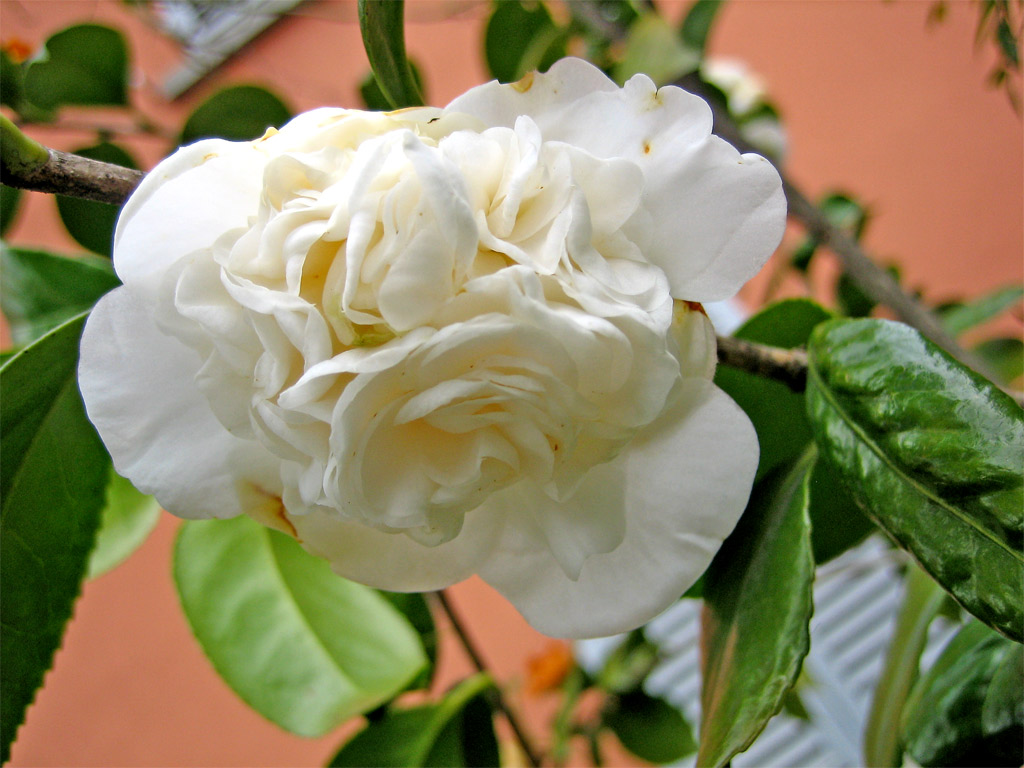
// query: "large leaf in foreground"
[[933, 452], [302, 646], [757, 607], [53, 469], [455, 731]]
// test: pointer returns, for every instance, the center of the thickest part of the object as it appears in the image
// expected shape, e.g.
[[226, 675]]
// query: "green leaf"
[[84, 64], [238, 113], [41, 290], [53, 469], [942, 721], [922, 601], [629, 664], [650, 728], [755, 631], [89, 222], [9, 197], [455, 731], [374, 98], [521, 37], [415, 609], [963, 317], [654, 49], [1002, 712], [11, 81], [1005, 357], [837, 524], [933, 453], [842, 211], [697, 24], [380, 22], [778, 413], [299, 644], [128, 517]]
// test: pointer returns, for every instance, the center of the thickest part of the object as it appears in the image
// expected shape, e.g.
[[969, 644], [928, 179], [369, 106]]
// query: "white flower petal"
[[682, 485], [138, 388]]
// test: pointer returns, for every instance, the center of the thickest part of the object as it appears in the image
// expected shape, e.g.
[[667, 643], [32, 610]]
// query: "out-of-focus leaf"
[[922, 601], [85, 64], [11, 81], [415, 609], [837, 524], [755, 623], [778, 413], [381, 23], [1004, 356], [521, 37], [302, 646], [963, 317], [53, 469], [9, 197], [89, 222], [128, 518], [853, 302], [629, 664], [654, 49], [697, 24], [650, 728], [374, 98], [238, 113], [933, 453], [942, 720], [41, 290], [455, 731], [1002, 712], [842, 211]]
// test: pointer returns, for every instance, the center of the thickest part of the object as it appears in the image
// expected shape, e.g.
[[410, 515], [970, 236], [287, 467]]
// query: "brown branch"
[[75, 176], [788, 366], [532, 756]]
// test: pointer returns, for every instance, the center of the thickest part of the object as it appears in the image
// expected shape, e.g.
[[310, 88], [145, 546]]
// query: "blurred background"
[[878, 99]]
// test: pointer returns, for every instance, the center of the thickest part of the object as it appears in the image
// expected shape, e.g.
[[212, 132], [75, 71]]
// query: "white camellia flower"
[[438, 342]]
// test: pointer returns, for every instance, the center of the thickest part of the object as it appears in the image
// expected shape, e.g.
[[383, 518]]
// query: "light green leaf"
[[381, 23], [778, 413], [650, 728], [238, 113], [84, 64], [41, 290], [933, 453], [89, 222], [755, 631], [942, 720], [128, 517], [697, 24], [521, 37], [299, 644], [654, 49], [455, 731], [922, 601], [53, 469], [963, 317]]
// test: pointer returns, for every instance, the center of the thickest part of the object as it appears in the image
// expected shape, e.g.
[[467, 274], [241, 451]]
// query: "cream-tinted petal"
[[682, 484], [138, 388]]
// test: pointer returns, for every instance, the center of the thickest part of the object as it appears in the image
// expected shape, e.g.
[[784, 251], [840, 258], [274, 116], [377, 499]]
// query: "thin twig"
[[788, 366], [478, 662], [75, 176]]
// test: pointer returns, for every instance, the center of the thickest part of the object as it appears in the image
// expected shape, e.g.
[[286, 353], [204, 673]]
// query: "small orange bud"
[[17, 49], [546, 670]]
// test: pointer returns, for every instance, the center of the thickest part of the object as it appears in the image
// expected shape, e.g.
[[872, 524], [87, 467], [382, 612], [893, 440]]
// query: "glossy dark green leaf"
[[299, 644], [755, 633], [415, 609], [933, 452], [381, 23], [53, 469], [962, 317], [942, 720], [922, 601], [837, 524], [89, 222], [521, 37], [41, 290], [778, 413], [85, 64], [128, 517], [238, 113], [455, 731], [9, 198], [650, 728], [1004, 357], [697, 24], [1002, 712]]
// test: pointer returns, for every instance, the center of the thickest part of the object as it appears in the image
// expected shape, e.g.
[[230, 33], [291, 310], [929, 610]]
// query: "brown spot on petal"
[[695, 306], [525, 84], [269, 511], [647, 147]]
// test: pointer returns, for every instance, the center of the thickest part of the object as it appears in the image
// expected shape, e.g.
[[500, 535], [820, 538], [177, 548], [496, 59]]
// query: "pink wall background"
[[875, 102]]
